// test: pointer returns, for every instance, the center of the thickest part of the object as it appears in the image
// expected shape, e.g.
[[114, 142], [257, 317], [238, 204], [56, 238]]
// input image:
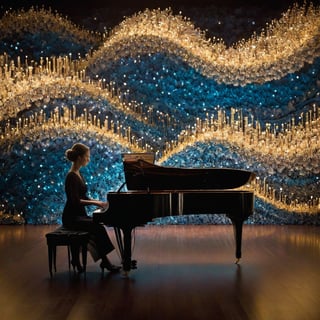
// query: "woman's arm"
[[98, 203]]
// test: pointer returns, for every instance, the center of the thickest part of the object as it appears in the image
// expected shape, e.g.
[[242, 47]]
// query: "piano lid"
[[142, 175]]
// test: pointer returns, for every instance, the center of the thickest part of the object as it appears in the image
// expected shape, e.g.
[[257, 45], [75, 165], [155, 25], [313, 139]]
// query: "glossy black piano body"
[[156, 191]]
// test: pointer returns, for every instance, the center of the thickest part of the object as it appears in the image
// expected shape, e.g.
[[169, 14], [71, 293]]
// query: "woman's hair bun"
[[76, 151]]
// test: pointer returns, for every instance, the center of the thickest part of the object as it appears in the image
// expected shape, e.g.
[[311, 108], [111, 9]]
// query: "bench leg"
[[50, 253], [69, 256], [54, 253], [84, 255]]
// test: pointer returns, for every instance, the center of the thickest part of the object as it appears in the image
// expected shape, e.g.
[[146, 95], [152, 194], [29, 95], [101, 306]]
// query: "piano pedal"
[[134, 264]]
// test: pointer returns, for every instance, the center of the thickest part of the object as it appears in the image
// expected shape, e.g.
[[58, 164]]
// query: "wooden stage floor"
[[184, 273]]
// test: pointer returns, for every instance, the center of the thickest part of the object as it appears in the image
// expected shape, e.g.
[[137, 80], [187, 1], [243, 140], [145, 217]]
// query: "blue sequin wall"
[[33, 166]]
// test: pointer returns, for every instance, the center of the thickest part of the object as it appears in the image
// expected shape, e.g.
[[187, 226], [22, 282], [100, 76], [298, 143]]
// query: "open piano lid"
[[142, 174]]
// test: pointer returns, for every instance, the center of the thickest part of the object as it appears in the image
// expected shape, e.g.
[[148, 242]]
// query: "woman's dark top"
[[76, 189]]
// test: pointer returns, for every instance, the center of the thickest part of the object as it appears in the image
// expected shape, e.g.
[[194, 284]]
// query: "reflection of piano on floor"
[[156, 191]]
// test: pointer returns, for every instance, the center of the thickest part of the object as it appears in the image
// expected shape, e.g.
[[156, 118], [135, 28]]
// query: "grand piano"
[[155, 191]]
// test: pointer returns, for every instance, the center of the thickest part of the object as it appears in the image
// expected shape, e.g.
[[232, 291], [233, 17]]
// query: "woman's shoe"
[[109, 266], [78, 266]]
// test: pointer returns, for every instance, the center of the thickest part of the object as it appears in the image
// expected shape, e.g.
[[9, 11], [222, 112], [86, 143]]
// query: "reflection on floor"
[[185, 272]]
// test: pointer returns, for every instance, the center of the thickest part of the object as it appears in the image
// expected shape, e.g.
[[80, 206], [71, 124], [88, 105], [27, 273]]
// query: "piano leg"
[[124, 244], [117, 232], [237, 228]]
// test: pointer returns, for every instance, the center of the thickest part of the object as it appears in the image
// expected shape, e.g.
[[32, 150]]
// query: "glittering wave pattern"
[[277, 99], [39, 33], [48, 99], [34, 166], [48, 105], [39, 163], [32, 98], [290, 163], [277, 152], [283, 47], [80, 103], [36, 93], [280, 180]]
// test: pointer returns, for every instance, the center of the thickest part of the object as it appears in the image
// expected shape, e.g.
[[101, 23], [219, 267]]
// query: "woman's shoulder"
[[71, 175]]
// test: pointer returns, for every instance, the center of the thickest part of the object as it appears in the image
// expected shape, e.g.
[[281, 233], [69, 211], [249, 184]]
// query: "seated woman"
[[75, 216]]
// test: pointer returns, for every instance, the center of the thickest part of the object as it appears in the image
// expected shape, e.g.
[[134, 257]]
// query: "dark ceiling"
[[96, 13], [70, 6]]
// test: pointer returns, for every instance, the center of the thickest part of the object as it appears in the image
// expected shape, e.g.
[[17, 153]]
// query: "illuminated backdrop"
[[156, 83]]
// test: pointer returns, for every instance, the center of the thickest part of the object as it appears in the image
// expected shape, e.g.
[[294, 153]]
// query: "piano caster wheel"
[[133, 264], [237, 261]]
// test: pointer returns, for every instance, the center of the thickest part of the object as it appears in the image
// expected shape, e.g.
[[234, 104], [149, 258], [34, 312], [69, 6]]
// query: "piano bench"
[[68, 238]]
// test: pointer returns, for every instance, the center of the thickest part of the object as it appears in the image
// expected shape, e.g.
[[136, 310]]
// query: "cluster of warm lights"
[[294, 145], [286, 147], [33, 21], [284, 47]]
